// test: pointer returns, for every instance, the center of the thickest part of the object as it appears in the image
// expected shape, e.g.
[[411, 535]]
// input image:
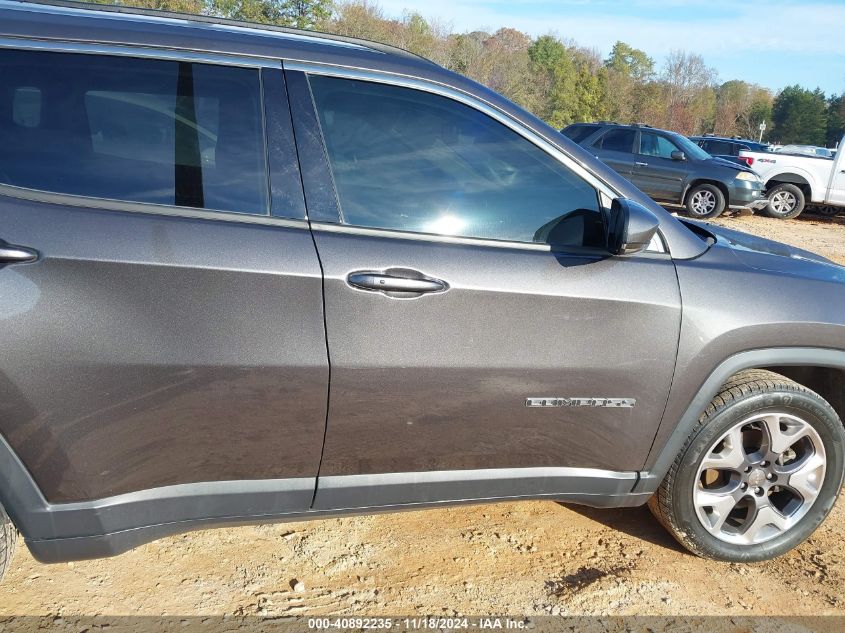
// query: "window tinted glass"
[[140, 130], [618, 140], [579, 132], [655, 145], [410, 160], [722, 148]]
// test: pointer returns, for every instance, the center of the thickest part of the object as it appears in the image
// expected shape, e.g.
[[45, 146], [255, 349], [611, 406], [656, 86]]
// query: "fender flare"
[[797, 175], [663, 456]]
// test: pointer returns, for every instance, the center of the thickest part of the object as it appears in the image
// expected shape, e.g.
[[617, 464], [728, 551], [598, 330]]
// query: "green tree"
[[547, 52], [835, 119], [179, 6], [627, 69], [800, 116], [302, 14], [630, 62], [572, 86]]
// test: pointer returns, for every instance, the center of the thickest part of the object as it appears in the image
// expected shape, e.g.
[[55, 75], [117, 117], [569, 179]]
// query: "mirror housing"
[[678, 155], [631, 227]]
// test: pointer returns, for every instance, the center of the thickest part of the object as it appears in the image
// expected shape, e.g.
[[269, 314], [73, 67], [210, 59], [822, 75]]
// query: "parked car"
[[806, 150], [794, 180], [728, 148], [202, 221], [671, 168]]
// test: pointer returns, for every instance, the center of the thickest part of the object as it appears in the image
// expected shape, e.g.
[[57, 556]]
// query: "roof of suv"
[[728, 139], [615, 124], [83, 21]]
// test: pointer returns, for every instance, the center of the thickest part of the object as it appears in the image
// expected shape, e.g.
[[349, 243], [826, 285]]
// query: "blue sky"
[[773, 43]]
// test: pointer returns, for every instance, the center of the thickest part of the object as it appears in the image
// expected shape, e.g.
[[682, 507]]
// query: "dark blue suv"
[[728, 147], [671, 168]]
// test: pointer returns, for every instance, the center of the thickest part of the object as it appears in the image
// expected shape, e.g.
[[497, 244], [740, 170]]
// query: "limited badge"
[[617, 403]]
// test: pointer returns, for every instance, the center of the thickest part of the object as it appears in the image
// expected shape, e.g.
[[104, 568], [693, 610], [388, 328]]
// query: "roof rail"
[[210, 19], [641, 125]]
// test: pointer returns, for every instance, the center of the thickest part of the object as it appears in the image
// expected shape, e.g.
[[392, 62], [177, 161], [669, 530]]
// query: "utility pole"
[[762, 129]]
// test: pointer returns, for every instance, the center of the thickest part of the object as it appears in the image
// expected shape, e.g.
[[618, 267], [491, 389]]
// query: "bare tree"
[[690, 95]]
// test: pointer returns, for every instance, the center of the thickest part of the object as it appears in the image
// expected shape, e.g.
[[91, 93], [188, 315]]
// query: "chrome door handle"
[[387, 282], [11, 254], [641, 164]]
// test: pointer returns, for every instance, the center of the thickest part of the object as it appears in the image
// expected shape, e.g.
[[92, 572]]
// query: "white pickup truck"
[[793, 181]]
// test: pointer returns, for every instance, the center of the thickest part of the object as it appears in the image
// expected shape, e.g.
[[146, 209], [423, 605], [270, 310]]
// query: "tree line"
[[559, 80]]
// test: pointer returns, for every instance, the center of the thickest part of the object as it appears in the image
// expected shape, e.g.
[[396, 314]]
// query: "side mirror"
[[678, 155], [631, 227]]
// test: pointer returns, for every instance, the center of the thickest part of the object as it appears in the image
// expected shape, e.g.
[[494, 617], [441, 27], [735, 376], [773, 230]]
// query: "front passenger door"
[[464, 274], [655, 172]]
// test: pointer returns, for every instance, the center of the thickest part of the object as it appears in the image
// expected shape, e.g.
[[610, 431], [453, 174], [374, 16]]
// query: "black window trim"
[[269, 217], [406, 81]]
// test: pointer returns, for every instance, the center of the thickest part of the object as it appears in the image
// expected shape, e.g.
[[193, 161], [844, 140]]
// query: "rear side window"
[[409, 160], [722, 148], [617, 140], [138, 130], [579, 132]]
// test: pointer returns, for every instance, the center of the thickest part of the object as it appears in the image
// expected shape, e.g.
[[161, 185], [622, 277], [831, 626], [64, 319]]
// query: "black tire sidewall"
[[811, 409], [828, 212], [717, 210], [799, 205]]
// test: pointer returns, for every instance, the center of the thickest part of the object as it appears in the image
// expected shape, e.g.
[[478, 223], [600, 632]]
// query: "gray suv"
[[671, 168], [253, 275]]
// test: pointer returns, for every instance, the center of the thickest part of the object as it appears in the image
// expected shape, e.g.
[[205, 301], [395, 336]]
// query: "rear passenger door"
[[170, 328], [616, 148], [655, 172]]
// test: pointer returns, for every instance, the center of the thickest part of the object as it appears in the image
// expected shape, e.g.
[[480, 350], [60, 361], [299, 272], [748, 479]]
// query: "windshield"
[[689, 148]]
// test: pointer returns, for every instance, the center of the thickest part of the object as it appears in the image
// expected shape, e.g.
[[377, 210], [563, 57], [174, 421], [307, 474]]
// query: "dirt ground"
[[513, 558]]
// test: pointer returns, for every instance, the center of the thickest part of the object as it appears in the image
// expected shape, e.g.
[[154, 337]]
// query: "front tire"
[[705, 201], [786, 201], [758, 474], [8, 539]]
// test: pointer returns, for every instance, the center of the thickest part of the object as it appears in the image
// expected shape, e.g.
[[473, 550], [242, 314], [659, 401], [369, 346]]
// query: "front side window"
[[656, 145], [138, 130], [409, 160]]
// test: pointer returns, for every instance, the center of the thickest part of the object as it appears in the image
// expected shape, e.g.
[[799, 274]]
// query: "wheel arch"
[[791, 178], [828, 382], [818, 369], [706, 181]]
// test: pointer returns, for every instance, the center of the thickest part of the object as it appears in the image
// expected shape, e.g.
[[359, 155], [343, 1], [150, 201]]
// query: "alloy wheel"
[[703, 202], [783, 202], [759, 478]]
